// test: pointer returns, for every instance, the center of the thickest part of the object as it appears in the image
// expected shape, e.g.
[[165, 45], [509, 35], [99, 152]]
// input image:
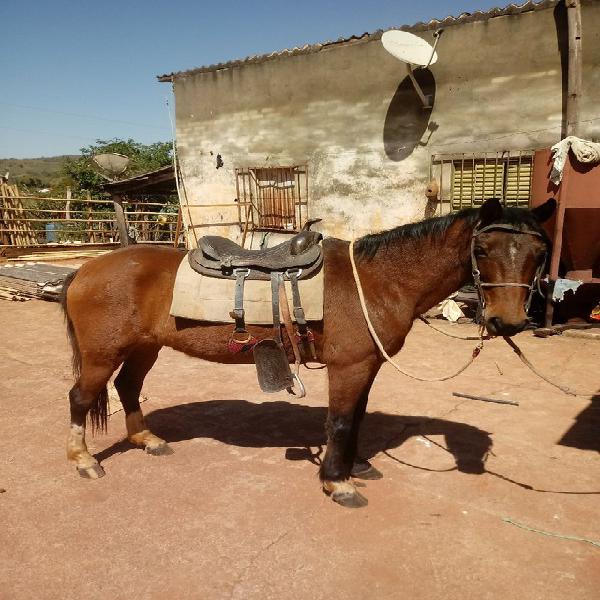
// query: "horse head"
[[509, 249]]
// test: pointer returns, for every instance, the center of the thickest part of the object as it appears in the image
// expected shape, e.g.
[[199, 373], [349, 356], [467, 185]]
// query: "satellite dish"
[[414, 51], [409, 48], [111, 162]]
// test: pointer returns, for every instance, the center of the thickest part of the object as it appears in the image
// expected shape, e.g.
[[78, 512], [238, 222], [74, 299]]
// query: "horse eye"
[[479, 252]]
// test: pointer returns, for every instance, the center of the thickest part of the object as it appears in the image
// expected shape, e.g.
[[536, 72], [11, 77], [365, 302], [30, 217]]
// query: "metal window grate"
[[273, 197], [466, 180]]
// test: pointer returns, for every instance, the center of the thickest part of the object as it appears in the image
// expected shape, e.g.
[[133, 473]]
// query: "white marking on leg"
[[339, 487], [77, 448], [139, 434]]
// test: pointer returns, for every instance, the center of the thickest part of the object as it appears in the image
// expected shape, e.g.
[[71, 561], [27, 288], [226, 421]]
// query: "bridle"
[[535, 283]]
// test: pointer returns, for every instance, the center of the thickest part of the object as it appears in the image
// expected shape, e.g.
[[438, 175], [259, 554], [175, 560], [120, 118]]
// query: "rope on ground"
[[527, 363], [361, 295], [573, 538]]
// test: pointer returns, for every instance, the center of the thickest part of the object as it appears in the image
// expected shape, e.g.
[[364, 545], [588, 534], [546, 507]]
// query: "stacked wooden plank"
[[15, 229], [68, 253], [32, 280]]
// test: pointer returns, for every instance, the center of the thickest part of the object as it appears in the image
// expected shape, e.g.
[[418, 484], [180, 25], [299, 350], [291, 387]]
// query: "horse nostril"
[[521, 326], [495, 325]]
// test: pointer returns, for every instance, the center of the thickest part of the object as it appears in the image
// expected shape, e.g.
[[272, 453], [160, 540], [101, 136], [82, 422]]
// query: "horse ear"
[[490, 211], [544, 211]]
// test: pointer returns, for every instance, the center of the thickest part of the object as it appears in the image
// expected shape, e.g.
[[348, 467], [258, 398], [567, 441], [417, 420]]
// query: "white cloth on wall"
[[584, 151]]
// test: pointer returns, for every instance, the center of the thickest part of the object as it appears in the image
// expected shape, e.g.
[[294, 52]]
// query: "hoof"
[[93, 472], [365, 470], [162, 450], [344, 493], [349, 499]]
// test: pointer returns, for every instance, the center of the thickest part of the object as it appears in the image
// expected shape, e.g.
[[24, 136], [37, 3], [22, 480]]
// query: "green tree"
[[84, 175]]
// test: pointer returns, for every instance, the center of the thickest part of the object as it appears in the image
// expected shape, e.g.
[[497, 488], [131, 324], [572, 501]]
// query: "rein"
[[361, 295]]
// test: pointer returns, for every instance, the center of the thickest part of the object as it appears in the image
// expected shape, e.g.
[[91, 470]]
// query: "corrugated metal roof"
[[511, 9], [160, 179]]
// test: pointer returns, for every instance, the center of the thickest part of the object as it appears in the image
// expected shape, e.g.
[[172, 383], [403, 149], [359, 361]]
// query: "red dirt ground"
[[237, 511]]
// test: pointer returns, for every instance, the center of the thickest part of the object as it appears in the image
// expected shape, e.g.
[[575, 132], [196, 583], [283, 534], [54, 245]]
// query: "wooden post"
[[120, 218], [68, 204], [90, 223], [557, 242], [575, 67], [177, 229]]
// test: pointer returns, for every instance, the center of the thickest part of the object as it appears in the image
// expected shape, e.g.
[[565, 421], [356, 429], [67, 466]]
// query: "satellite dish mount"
[[415, 52]]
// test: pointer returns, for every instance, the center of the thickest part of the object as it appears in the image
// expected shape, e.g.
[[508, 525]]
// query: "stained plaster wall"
[[350, 114]]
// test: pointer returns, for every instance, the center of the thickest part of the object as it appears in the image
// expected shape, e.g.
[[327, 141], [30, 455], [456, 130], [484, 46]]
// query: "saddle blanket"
[[202, 298]]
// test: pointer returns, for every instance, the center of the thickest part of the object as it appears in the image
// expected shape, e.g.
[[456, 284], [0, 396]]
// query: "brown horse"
[[117, 311]]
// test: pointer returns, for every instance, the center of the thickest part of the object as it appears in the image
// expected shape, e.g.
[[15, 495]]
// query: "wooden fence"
[[27, 220]]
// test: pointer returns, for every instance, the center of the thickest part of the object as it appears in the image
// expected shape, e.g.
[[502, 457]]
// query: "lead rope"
[[563, 388], [451, 335], [474, 354], [528, 364]]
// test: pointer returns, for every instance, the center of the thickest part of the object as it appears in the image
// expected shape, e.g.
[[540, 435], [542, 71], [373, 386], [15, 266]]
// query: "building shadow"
[[299, 428], [406, 120], [584, 434]]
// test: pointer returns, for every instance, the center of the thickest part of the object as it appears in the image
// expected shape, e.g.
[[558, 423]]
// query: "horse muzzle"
[[497, 326]]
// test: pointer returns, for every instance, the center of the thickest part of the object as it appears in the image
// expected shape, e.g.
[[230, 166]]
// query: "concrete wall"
[[350, 113]]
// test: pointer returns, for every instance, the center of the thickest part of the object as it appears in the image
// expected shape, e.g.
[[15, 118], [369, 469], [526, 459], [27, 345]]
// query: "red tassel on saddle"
[[305, 337], [307, 343], [242, 345]]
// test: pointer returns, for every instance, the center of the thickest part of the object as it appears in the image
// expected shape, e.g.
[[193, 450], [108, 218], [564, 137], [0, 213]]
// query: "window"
[[466, 180], [272, 198]]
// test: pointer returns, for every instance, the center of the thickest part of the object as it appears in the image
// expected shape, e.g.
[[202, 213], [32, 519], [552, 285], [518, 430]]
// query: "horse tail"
[[99, 409], [76, 357]]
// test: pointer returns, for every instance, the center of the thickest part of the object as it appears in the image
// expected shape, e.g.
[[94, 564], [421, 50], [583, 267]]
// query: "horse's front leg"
[[349, 387]]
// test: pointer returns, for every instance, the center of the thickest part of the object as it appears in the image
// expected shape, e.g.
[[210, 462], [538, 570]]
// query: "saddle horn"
[[310, 222], [306, 238]]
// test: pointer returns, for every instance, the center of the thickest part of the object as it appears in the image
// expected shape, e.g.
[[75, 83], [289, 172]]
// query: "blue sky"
[[75, 71]]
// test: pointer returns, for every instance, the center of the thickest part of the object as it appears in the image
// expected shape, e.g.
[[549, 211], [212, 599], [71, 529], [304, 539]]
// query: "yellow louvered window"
[[474, 182], [466, 180], [518, 182]]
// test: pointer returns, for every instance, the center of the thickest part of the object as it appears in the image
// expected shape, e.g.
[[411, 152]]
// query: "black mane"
[[368, 245]]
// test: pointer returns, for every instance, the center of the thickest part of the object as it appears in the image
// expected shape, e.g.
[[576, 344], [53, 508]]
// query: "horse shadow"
[[299, 428]]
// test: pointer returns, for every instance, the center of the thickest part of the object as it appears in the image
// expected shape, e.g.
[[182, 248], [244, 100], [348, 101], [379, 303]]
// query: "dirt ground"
[[237, 511]]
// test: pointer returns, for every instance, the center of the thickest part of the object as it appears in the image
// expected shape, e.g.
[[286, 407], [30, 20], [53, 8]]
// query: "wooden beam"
[[177, 229], [125, 240], [557, 243], [575, 67]]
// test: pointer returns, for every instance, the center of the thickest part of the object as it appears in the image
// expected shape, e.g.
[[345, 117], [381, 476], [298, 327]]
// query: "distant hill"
[[36, 172]]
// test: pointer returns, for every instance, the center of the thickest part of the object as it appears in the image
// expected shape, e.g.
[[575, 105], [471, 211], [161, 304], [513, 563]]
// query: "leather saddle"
[[298, 258], [220, 257]]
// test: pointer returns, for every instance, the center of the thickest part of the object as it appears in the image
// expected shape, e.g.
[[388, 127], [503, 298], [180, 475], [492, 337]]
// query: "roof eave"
[[511, 9]]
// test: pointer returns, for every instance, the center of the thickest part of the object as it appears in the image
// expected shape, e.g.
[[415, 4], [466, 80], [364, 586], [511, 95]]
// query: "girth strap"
[[238, 309], [276, 280], [304, 334], [298, 310]]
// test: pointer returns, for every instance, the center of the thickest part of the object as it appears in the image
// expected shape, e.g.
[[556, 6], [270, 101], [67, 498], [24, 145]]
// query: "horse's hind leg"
[[89, 392], [129, 383]]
